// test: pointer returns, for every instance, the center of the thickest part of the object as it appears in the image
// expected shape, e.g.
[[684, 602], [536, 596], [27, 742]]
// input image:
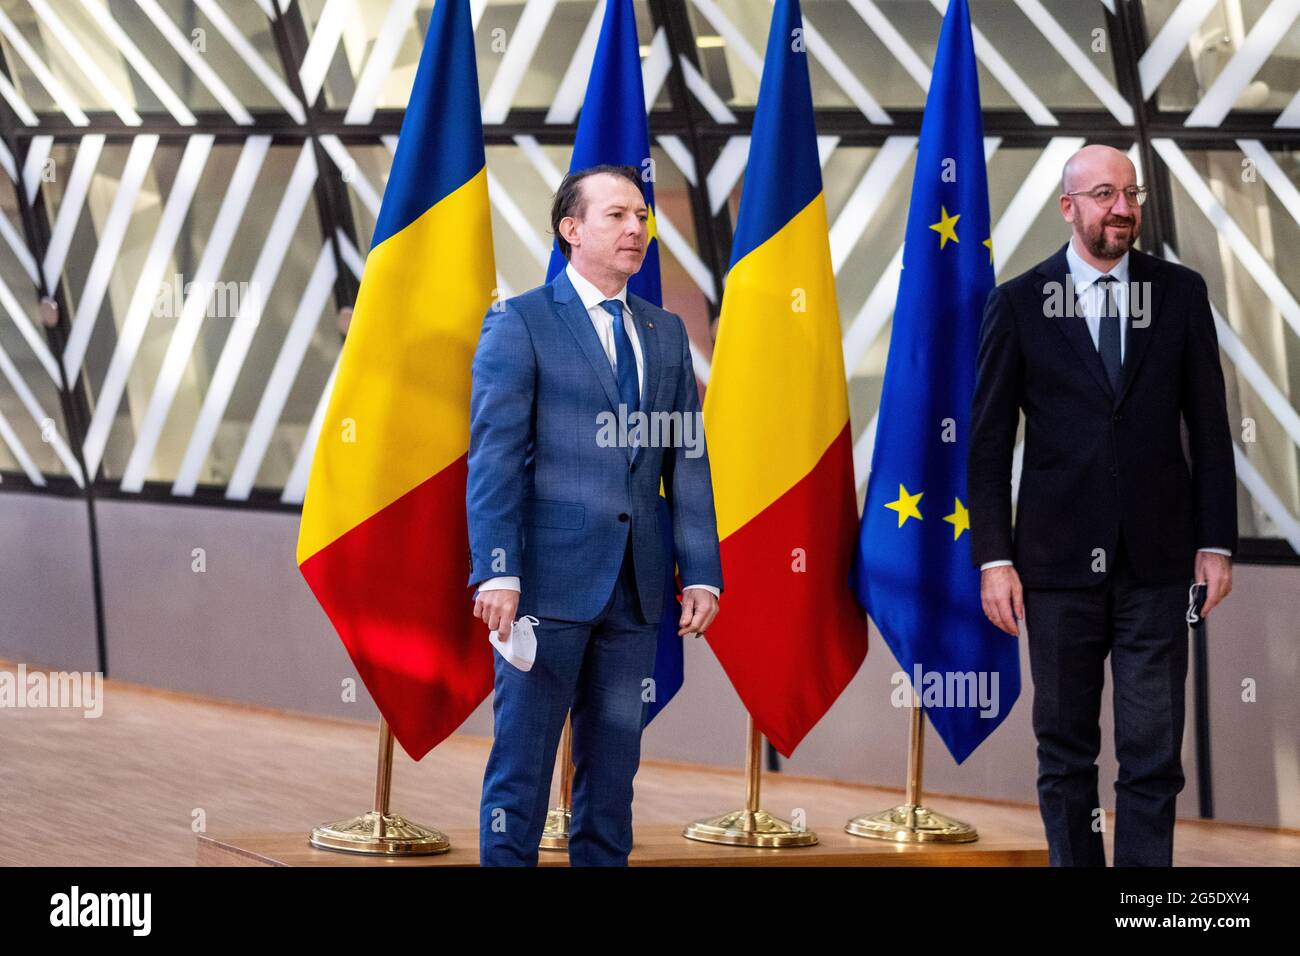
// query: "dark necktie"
[[1108, 334], [624, 359]]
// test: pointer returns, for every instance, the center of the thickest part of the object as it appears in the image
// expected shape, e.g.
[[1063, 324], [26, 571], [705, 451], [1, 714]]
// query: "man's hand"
[[497, 609], [1003, 598], [1215, 572], [699, 608]]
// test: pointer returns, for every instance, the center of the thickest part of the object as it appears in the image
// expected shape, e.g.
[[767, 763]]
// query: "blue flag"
[[913, 570], [612, 129]]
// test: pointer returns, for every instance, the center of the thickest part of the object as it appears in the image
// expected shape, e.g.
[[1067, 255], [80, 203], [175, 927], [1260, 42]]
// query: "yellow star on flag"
[[959, 519], [905, 505], [946, 227], [989, 242], [652, 227]]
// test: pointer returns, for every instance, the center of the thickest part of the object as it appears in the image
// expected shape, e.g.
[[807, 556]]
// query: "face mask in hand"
[[519, 647]]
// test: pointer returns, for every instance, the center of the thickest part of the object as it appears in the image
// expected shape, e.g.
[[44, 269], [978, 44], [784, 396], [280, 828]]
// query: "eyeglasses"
[[1105, 196]]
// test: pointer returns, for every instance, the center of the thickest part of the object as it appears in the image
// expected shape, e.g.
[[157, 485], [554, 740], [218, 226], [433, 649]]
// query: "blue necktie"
[[1108, 333], [625, 361]]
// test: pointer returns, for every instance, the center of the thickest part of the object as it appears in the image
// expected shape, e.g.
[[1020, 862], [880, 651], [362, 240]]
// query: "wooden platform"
[[247, 785], [656, 845]]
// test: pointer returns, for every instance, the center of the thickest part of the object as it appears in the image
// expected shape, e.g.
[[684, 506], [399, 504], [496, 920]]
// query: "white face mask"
[[519, 647]]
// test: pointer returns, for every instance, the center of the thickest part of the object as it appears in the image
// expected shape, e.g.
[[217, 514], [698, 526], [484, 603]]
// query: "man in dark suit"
[[1104, 348]]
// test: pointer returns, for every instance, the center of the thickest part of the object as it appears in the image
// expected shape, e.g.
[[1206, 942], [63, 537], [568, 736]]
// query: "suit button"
[[622, 516]]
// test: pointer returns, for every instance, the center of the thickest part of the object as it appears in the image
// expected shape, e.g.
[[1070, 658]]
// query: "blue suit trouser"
[[599, 669]]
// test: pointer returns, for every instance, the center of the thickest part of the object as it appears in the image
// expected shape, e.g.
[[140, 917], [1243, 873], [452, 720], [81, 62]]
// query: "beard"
[[1100, 244]]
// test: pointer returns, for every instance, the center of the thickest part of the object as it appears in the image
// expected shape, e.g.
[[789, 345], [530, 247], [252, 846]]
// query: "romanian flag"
[[914, 572], [789, 635], [383, 539], [612, 129]]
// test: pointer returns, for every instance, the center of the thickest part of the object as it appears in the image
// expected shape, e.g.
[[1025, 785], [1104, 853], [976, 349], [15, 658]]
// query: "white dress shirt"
[[1084, 275], [603, 322]]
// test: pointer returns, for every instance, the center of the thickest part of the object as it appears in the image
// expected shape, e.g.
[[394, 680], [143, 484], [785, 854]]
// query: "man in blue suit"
[[583, 401]]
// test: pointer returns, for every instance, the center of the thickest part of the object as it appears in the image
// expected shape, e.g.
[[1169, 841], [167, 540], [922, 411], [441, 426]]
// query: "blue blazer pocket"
[[545, 513]]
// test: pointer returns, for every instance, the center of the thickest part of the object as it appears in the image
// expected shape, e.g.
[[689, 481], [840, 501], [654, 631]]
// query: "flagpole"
[[555, 836], [910, 821], [380, 832], [750, 826]]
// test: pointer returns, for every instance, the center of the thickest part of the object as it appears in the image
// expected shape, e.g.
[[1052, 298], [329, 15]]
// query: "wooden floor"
[[142, 783]]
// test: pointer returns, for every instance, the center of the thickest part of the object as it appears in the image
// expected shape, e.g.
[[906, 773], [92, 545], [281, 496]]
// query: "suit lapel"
[[1070, 322], [1143, 272], [642, 312], [569, 304]]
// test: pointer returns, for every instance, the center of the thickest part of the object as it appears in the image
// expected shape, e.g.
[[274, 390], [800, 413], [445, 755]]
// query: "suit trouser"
[[598, 669], [1144, 630]]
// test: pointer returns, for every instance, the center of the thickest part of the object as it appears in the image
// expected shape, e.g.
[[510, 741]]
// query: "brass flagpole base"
[[379, 832], [555, 836], [911, 824], [749, 828], [379, 835]]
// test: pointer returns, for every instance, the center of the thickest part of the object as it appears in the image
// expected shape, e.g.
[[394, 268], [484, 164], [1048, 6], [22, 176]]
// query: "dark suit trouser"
[[1070, 632], [598, 669]]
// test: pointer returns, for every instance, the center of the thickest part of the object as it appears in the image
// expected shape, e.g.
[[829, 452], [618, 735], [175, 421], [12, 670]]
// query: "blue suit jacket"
[[544, 500]]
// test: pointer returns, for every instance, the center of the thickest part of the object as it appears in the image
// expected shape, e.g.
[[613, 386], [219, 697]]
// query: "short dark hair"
[[569, 200]]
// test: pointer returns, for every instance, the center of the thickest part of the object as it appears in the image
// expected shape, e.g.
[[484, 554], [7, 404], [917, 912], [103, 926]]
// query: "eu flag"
[[612, 129], [913, 571]]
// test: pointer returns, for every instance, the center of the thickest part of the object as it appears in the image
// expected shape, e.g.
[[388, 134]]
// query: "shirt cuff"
[[1223, 551], [708, 587], [993, 564], [507, 583]]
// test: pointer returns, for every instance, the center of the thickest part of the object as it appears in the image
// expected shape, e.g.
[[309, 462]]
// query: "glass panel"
[[1212, 43], [496, 31], [874, 63], [16, 288], [1255, 318]]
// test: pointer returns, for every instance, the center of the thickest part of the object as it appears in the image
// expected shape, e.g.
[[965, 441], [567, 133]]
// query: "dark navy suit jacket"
[[1098, 462]]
